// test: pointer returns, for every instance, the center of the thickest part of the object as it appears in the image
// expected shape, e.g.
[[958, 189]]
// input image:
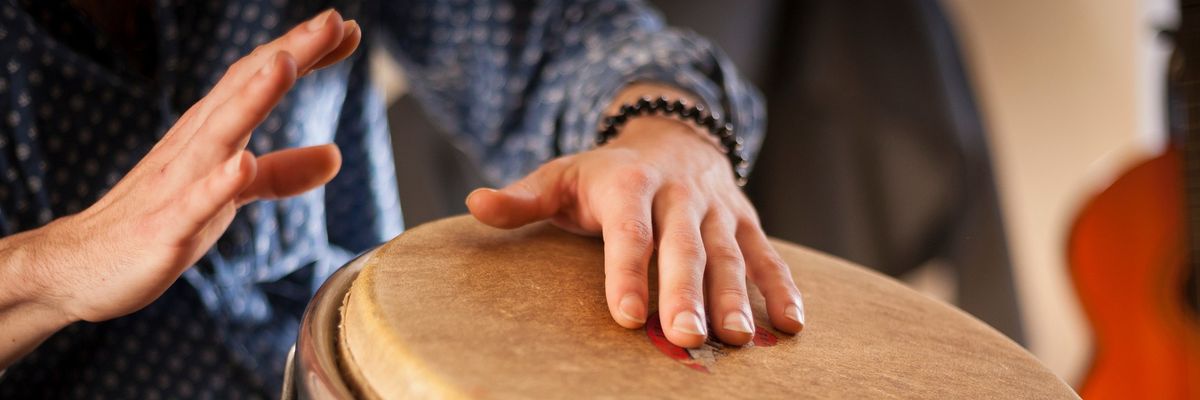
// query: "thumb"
[[535, 197]]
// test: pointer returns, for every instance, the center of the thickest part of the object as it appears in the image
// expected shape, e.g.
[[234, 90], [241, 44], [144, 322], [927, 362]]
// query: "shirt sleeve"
[[516, 82]]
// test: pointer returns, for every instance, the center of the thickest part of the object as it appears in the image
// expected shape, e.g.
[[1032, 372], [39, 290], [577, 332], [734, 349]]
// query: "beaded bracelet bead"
[[681, 110]]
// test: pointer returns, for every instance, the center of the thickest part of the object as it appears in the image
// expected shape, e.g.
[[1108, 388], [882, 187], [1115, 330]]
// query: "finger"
[[680, 268], [308, 43], [220, 138], [351, 37], [771, 274], [202, 200], [290, 172], [313, 45], [725, 281], [628, 245], [535, 197]]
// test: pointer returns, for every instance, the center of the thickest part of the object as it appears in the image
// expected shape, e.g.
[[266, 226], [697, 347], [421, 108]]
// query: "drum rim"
[[315, 369]]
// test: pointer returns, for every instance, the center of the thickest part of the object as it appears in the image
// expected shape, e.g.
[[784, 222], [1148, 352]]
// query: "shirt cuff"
[[677, 58]]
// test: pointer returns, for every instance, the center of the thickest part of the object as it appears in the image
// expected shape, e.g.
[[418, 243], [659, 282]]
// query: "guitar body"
[[1128, 259]]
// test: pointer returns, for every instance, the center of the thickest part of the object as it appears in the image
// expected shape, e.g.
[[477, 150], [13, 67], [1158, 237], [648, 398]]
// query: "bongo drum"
[[456, 309]]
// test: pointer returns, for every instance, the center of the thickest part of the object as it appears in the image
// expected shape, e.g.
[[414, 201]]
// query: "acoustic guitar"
[[1134, 254]]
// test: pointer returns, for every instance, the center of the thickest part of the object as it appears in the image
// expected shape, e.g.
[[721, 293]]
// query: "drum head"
[[458, 309]]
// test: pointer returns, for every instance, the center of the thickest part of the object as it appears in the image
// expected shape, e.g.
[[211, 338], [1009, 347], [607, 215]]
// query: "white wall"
[[1071, 93]]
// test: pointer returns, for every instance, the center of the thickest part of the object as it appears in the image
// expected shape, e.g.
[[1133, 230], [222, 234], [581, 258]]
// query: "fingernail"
[[794, 313], [630, 308], [318, 22], [270, 65], [233, 165], [487, 190], [688, 322], [467, 201], [353, 27], [737, 322]]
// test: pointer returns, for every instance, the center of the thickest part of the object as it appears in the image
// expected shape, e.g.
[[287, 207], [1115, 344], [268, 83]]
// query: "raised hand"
[[124, 251]]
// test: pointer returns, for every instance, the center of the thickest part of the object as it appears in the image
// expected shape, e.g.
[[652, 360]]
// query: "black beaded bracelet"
[[681, 110]]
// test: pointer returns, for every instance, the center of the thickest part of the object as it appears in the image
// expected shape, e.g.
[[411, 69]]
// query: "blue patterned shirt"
[[515, 82]]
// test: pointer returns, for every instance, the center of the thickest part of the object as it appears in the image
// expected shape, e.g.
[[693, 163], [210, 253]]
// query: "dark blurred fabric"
[[875, 150], [433, 176]]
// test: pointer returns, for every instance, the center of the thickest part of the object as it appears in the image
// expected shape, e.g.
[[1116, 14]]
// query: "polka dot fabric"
[[516, 82], [519, 82]]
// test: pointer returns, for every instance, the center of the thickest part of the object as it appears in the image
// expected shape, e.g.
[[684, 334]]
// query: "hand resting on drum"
[[659, 184], [124, 251]]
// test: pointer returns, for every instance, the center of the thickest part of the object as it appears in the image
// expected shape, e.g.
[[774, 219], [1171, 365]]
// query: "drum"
[[456, 309]]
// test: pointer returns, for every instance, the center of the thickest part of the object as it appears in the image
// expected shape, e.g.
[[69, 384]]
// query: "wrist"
[[29, 312], [695, 116], [636, 91], [667, 133], [27, 275], [673, 145]]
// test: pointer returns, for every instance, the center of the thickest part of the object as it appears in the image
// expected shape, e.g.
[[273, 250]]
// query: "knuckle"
[[688, 294], [549, 170], [731, 295], [557, 163], [775, 265], [725, 254], [259, 50], [637, 232], [679, 194], [246, 61], [743, 201], [527, 185], [725, 219], [691, 252], [686, 244], [636, 179], [747, 220], [774, 273], [237, 68], [633, 271]]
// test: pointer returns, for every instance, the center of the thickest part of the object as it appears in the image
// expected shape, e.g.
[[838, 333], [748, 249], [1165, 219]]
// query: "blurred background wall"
[[1073, 92], [889, 121]]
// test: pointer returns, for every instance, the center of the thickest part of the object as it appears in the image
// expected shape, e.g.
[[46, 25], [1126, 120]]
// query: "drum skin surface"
[[455, 309]]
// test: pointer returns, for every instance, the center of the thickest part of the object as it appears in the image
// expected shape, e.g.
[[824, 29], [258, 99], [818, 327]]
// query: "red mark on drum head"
[[706, 355], [764, 338]]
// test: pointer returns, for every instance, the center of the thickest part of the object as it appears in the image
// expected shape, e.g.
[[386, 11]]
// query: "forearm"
[[27, 317]]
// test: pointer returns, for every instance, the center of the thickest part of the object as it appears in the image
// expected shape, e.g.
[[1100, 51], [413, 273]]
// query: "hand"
[[124, 251], [660, 182]]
